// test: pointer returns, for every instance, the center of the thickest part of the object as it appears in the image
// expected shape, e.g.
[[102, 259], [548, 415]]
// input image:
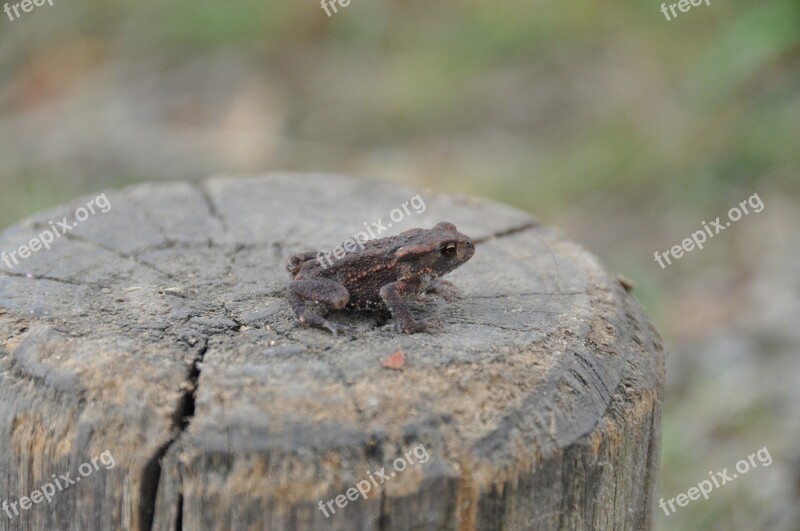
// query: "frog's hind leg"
[[327, 292]]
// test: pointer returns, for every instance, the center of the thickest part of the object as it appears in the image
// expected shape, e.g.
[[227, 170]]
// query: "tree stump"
[[159, 332]]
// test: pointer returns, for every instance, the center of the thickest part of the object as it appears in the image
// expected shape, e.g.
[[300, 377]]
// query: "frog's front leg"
[[393, 294], [327, 292]]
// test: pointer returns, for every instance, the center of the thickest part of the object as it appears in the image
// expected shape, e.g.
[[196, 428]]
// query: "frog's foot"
[[444, 289], [317, 321], [344, 330], [417, 325]]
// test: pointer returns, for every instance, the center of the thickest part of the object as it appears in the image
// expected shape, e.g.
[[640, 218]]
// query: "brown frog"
[[378, 274]]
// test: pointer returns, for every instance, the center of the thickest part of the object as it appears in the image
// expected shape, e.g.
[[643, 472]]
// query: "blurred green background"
[[623, 128]]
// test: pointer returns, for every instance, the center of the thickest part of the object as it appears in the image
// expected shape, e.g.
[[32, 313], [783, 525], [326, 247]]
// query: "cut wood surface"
[[159, 332]]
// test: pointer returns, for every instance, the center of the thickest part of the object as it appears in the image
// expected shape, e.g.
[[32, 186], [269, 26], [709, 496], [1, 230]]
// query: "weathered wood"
[[537, 402]]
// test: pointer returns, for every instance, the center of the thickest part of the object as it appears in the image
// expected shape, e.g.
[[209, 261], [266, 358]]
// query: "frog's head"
[[437, 251]]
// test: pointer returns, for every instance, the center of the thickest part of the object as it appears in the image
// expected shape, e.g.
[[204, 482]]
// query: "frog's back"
[[365, 271]]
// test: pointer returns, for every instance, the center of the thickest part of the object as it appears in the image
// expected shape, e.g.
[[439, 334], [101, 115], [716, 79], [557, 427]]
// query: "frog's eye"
[[449, 249]]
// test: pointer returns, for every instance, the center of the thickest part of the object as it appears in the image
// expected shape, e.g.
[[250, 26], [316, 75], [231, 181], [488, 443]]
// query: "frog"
[[379, 274]]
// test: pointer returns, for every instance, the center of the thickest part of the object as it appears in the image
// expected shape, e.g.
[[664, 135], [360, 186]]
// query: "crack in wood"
[[132, 257], [507, 232], [31, 276], [212, 207]]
